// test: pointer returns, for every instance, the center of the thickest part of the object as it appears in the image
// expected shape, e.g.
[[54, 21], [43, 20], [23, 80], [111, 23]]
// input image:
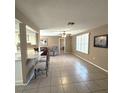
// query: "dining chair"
[[43, 63]]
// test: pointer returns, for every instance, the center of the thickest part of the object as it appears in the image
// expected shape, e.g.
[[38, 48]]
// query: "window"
[[82, 43]]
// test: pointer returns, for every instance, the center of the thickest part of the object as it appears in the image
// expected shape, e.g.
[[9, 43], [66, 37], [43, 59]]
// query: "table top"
[[34, 55], [30, 55]]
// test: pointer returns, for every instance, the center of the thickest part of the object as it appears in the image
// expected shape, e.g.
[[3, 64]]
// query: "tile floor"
[[68, 74]]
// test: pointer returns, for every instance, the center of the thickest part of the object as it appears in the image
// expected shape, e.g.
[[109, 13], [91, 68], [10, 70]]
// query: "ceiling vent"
[[71, 23]]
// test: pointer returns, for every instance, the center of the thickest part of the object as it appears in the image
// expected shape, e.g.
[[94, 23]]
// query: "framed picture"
[[43, 42], [101, 41]]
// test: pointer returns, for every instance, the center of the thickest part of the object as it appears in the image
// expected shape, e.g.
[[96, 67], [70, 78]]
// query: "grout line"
[[68, 83], [63, 88], [91, 63]]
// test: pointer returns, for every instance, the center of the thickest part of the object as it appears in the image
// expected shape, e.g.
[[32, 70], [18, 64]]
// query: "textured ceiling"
[[53, 15]]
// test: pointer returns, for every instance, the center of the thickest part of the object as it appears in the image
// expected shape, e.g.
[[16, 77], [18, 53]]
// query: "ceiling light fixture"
[[64, 34]]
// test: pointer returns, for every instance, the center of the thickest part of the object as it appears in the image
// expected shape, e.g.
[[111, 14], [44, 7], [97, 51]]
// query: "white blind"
[[82, 43]]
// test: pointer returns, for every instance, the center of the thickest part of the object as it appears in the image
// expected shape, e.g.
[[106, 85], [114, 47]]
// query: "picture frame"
[[101, 41], [43, 42]]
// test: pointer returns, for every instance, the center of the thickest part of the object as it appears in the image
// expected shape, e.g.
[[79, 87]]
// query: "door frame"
[[64, 44]]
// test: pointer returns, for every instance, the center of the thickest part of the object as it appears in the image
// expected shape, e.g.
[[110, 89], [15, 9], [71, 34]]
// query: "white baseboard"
[[91, 63], [19, 82], [67, 52]]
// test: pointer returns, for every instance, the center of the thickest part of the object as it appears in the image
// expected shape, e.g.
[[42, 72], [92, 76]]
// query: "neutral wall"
[[21, 17], [98, 56], [68, 46], [52, 40]]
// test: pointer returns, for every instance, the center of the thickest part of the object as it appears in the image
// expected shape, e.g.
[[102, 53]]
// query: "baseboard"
[[91, 63], [67, 52], [19, 82]]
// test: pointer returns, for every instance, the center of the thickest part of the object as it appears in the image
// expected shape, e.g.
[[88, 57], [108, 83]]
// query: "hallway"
[[68, 74]]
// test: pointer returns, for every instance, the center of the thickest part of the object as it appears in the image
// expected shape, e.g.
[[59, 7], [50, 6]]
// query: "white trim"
[[19, 82], [68, 52], [64, 44], [91, 63], [31, 29], [59, 44]]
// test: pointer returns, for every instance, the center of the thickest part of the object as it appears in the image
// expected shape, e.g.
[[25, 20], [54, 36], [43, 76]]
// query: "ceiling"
[[28, 29], [52, 16]]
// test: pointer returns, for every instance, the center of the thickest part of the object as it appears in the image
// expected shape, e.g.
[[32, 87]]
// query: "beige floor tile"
[[81, 88], [43, 90], [68, 74], [56, 81], [33, 90], [45, 82], [102, 83], [56, 74], [92, 86], [57, 89], [19, 88], [18, 91], [85, 77], [73, 79], [102, 91], [70, 88], [32, 85], [98, 75]]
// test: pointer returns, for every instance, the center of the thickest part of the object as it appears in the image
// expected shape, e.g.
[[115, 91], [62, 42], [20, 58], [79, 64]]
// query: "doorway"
[[61, 46]]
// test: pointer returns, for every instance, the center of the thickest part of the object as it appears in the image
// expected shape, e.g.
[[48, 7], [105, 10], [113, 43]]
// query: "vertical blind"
[[82, 43]]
